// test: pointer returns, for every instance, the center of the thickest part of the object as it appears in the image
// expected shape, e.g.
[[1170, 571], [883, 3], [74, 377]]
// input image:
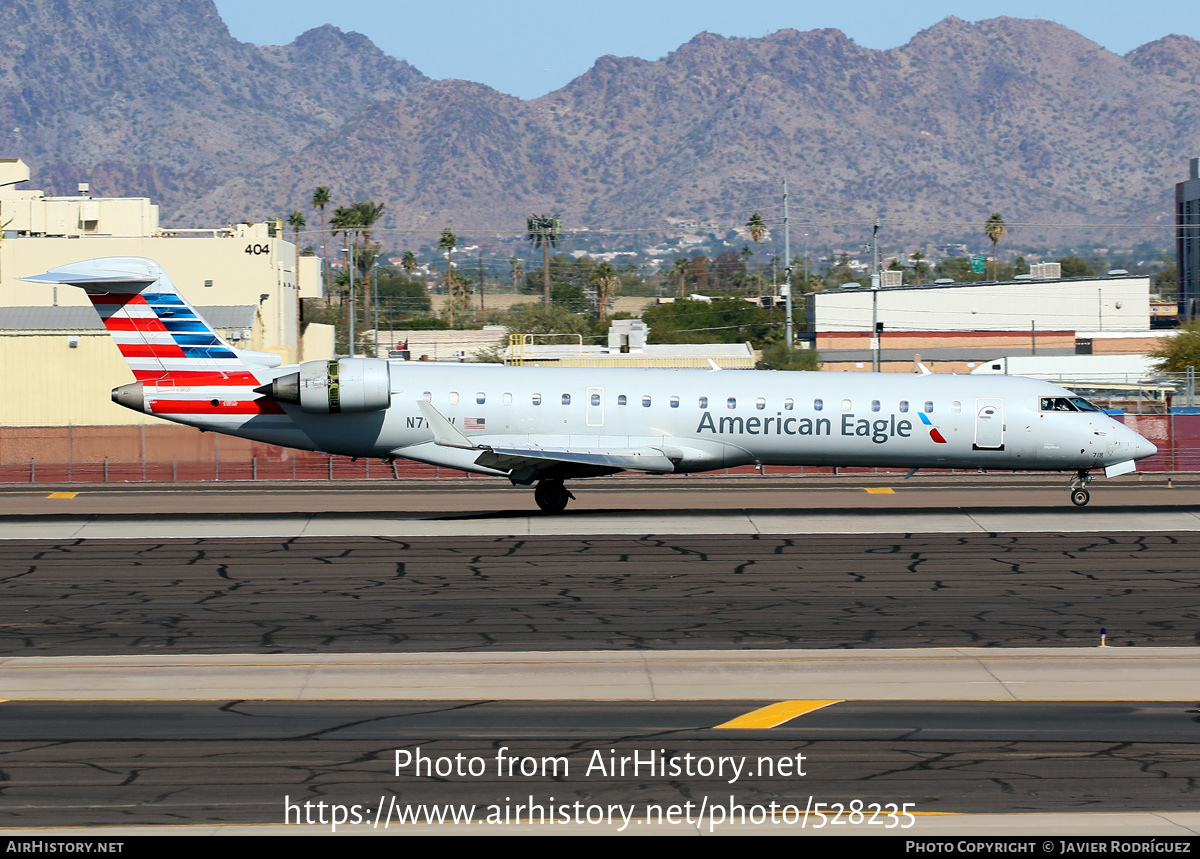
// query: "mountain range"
[[1023, 117]]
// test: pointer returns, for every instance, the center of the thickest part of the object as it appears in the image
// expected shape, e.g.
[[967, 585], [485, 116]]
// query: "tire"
[[551, 496], [1080, 497]]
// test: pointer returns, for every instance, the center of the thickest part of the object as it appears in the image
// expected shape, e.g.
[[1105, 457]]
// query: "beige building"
[[245, 279]]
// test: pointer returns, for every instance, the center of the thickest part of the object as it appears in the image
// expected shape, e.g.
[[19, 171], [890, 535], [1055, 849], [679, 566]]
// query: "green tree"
[[408, 262], [447, 243], [995, 230], [681, 268], [320, 200], [570, 297], [1073, 266], [296, 222], [1166, 280], [516, 270], [544, 232], [539, 319], [727, 319], [758, 231], [1176, 354], [606, 282], [918, 259], [777, 356]]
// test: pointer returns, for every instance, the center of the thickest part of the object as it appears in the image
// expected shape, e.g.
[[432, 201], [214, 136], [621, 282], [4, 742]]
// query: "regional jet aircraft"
[[543, 426]]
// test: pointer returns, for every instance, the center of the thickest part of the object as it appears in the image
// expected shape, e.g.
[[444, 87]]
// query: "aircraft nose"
[[1139, 446]]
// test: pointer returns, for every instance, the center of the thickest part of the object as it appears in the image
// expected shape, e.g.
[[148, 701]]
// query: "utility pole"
[[353, 236], [789, 333], [481, 279], [875, 298]]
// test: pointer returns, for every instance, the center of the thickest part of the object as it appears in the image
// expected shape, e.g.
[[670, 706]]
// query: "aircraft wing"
[[530, 459], [626, 459]]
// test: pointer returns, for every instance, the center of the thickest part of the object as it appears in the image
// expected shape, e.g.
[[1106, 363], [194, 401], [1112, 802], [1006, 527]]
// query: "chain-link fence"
[[1167, 412]]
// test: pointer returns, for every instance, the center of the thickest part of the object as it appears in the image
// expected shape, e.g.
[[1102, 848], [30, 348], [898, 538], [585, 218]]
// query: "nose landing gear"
[[1079, 494], [552, 496]]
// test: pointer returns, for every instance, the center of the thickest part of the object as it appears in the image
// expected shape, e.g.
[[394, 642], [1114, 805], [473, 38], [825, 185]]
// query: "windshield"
[[1067, 404]]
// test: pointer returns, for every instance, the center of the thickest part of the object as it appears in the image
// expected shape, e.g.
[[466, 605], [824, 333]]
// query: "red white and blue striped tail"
[[162, 337]]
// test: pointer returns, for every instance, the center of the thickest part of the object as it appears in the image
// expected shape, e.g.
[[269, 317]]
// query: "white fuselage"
[[704, 419]]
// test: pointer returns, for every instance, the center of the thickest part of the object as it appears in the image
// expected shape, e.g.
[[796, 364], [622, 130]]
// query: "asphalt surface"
[[237, 761], [107, 762], [365, 595]]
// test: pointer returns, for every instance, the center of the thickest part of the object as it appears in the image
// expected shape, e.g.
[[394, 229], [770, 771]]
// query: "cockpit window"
[[1067, 404]]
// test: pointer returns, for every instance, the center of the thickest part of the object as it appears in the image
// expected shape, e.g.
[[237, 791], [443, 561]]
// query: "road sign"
[[978, 262]]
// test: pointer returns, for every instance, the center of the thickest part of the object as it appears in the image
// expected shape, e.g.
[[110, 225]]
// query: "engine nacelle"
[[345, 385]]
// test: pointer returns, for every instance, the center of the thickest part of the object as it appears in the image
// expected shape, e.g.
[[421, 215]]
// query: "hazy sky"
[[529, 49]]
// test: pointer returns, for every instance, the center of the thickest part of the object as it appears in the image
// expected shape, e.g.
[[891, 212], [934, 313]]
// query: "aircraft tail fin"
[[158, 332]]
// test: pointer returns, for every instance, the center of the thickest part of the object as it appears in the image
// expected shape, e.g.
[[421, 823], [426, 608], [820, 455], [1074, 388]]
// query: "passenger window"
[[904, 405], [674, 402], [566, 399], [595, 399], [955, 407], [646, 401], [760, 404], [731, 402], [537, 399], [704, 402], [507, 399], [787, 404], [480, 398], [846, 405], [874, 405], [818, 405], [622, 400], [454, 398], [929, 407]]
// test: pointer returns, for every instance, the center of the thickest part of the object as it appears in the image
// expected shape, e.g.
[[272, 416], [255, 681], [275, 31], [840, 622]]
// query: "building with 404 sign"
[[248, 279]]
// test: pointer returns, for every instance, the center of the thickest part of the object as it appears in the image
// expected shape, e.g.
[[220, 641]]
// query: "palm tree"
[[544, 232], [516, 269], [758, 230], [995, 230], [447, 243], [918, 258], [366, 212], [296, 222], [319, 201], [680, 268], [607, 282], [408, 262]]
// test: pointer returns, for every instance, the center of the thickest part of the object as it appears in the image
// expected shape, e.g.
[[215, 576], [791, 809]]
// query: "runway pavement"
[[248, 762], [197, 656]]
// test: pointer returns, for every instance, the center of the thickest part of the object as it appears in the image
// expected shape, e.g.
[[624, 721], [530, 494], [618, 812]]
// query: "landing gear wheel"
[[551, 496], [1080, 497]]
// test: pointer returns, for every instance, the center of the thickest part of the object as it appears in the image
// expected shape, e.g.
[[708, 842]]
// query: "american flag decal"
[[474, 423]]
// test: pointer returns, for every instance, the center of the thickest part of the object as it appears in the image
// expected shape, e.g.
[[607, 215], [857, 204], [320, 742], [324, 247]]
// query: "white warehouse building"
[[1117, 302]]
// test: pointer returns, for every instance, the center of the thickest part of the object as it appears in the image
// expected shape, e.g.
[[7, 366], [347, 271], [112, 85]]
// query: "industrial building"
[[1187, 242], [958, 325]]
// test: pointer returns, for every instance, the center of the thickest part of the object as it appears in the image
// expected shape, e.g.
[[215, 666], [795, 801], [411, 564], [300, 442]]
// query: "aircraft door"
[[595, 407], [989, 424]]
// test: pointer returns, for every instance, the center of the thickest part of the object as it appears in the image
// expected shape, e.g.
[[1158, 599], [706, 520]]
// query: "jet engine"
[[329, 387]]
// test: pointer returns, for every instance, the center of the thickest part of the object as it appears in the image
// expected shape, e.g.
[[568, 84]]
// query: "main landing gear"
[[1079, 494], [552, 496]]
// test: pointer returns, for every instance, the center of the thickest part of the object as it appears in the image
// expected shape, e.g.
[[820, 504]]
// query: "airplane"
[[543, 426]]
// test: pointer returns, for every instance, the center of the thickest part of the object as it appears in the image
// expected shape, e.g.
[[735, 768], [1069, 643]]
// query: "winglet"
[[715, 366], [445, 433]]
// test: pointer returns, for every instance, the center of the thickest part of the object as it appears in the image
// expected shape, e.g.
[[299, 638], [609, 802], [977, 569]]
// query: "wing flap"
[[625, 459]]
